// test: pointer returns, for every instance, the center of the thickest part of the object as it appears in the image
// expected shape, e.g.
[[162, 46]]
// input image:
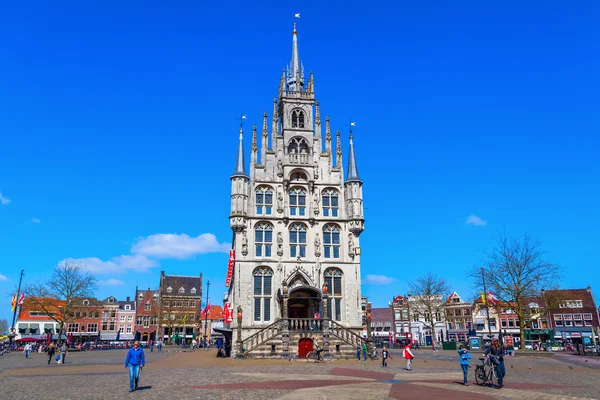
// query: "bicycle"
[[484, 375], [312, 356]]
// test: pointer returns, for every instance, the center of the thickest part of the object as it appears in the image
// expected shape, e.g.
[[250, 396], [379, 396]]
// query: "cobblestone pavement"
[[200, 375]]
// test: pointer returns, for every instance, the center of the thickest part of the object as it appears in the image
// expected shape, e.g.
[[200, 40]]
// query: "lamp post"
[[487, 306], [239, 333], [12, 332], [369, 338], [207, 310]]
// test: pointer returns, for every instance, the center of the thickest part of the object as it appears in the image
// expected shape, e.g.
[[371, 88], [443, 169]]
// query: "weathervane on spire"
[[241, 119], [296, 17], [351, 127]]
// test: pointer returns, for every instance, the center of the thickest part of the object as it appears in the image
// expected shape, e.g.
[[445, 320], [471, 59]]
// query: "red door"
[[305, 345]]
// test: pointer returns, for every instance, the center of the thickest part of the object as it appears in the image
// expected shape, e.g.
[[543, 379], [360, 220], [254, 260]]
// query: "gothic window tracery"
[[331, 241], [330, 201], [298, 201], [263, 277], [333, 280], [298, 150], [298, 240], [297, 119], [263, 239], [264, 200]]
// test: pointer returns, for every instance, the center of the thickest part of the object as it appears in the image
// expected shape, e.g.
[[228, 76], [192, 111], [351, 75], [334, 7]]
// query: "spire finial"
[[351, 127], [240, 166]]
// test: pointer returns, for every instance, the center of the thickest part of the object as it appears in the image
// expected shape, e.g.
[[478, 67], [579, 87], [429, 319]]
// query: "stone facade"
[[297, 221]]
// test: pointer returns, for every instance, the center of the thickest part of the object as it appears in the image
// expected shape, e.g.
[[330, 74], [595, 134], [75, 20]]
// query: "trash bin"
[[449, 346]]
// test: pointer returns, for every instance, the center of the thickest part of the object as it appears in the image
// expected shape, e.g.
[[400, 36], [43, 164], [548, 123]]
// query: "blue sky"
[[118, 127]]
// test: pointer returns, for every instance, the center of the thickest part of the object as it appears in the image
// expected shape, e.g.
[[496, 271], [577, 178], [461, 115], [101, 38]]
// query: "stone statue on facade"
[[351, 245], [316, 201], [279, 202], [279, 244], [244, 243], [316, 170], [317, 246], [279, 167]]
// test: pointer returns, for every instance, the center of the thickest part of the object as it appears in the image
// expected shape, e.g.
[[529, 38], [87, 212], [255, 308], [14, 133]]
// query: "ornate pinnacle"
[[265, 131], [274, 109], [254, 145], [327, 130], [338, 146], [317, 114]]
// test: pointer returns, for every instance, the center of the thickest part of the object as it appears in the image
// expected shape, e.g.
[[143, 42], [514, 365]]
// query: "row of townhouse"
[[171, 312], [574, 318]]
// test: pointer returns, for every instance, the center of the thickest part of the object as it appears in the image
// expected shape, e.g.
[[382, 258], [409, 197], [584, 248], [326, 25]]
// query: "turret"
[[354, 197], [239, 188]]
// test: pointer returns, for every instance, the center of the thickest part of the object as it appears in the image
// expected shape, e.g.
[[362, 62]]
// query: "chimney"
[[128, 298]]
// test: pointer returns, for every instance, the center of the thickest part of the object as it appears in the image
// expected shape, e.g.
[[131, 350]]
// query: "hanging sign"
[[230, 267]]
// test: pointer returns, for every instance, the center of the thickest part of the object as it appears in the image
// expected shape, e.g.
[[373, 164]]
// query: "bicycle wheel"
[[480, 377], [311, 356]]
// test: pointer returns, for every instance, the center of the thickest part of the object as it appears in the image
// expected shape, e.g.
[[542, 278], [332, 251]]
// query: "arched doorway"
[[145, 337], [305, 345], [304, 302]]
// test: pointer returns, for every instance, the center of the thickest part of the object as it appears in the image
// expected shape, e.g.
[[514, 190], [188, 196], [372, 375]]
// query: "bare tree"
[[427, 294], [517, 274], [57, 296], [3, 326]]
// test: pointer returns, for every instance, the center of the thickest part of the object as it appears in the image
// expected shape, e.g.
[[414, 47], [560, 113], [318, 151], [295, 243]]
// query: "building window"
[[264, 200], [262, 294], [179, 304], [192, 303], [92, 328], [263, 239], [181, 290], [122, 328], [330, 199], [130, 318], [141, 296], [297, 119], [333, 280], [169, 289], [331, 241], [71, 327], [128, 330], [146, 323], [147, 307], [121, 318], [127, 307], [86, 302], [511, 323], [193, 290], [297, 202], [298, 240], [111, 326], [503, 323]]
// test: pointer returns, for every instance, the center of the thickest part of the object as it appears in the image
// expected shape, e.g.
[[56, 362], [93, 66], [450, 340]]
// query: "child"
[[464, 356], [384, 356], [408, 355]]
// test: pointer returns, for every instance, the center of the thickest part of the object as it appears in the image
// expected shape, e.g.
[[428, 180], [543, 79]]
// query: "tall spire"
[[352, 168], [295, 78], [240, 166]]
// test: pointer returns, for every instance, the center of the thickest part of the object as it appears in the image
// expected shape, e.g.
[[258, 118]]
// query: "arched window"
[[298, 150], [331, 241], [330, 202], [333, 280], [86, 302], [263, 277], [297, 119], [298, 240], [264, 200], [298, 201], [181, 290], [263, 239]]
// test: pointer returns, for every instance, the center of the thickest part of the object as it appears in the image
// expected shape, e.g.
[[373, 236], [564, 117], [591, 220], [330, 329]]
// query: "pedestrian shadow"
[[143, 388]]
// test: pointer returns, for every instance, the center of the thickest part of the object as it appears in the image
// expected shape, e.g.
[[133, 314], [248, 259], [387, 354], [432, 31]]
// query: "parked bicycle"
[[485, 374]]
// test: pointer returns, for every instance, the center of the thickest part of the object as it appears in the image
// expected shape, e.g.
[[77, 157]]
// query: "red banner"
[[228, 312], [230, 267]]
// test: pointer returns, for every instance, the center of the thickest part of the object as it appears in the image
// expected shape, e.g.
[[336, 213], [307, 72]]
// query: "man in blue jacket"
[[135, 361]]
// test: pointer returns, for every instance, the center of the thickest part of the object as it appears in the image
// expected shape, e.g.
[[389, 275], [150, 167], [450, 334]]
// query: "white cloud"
[[36, 220], [119, 265], [3, 278], [3, 199], [169, 245], [379, 280], [475, 220], [111, 282]]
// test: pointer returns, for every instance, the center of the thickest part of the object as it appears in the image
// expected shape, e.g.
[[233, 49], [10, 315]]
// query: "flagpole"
[[207, 310], [12, 327], [487, 306]]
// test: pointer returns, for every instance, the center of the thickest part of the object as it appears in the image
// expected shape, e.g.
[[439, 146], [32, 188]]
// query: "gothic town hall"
[[297, 215]]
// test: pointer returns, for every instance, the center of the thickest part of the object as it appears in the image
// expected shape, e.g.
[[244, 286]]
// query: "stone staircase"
[[269, 342]]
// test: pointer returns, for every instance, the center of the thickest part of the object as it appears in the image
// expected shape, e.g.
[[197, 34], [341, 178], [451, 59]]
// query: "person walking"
[[27, 350], [135, 361], [384, 356], [464, 356], [364, 349], [51, 351], [358, 349], [408, 355], [63, 352], [495, 352]]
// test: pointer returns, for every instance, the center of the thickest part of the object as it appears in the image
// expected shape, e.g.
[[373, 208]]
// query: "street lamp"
[[239, 332]]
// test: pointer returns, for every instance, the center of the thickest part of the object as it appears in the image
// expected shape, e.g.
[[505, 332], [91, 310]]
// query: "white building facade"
[[296, 219]]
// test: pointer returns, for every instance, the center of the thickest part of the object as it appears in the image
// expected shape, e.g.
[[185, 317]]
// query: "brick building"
[[381, 326], [214, 319], [108, 327], [147, 314], [459, 318], [86, 322], [575, 319], [180, 299], [126, 319], [401, 327]]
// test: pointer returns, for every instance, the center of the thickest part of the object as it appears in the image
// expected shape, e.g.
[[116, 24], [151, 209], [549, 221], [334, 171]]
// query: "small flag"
[[21, 299], [297, 15], [206, 309], [352, 123], [13, 303], [243, 117]]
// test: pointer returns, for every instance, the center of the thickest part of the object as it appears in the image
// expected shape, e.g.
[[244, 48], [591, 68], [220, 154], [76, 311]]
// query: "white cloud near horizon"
[[36, 220], [119, 265], [111, 282], [3, 278], [475, 220], [379, 280], [181, 247], [4, 200]]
